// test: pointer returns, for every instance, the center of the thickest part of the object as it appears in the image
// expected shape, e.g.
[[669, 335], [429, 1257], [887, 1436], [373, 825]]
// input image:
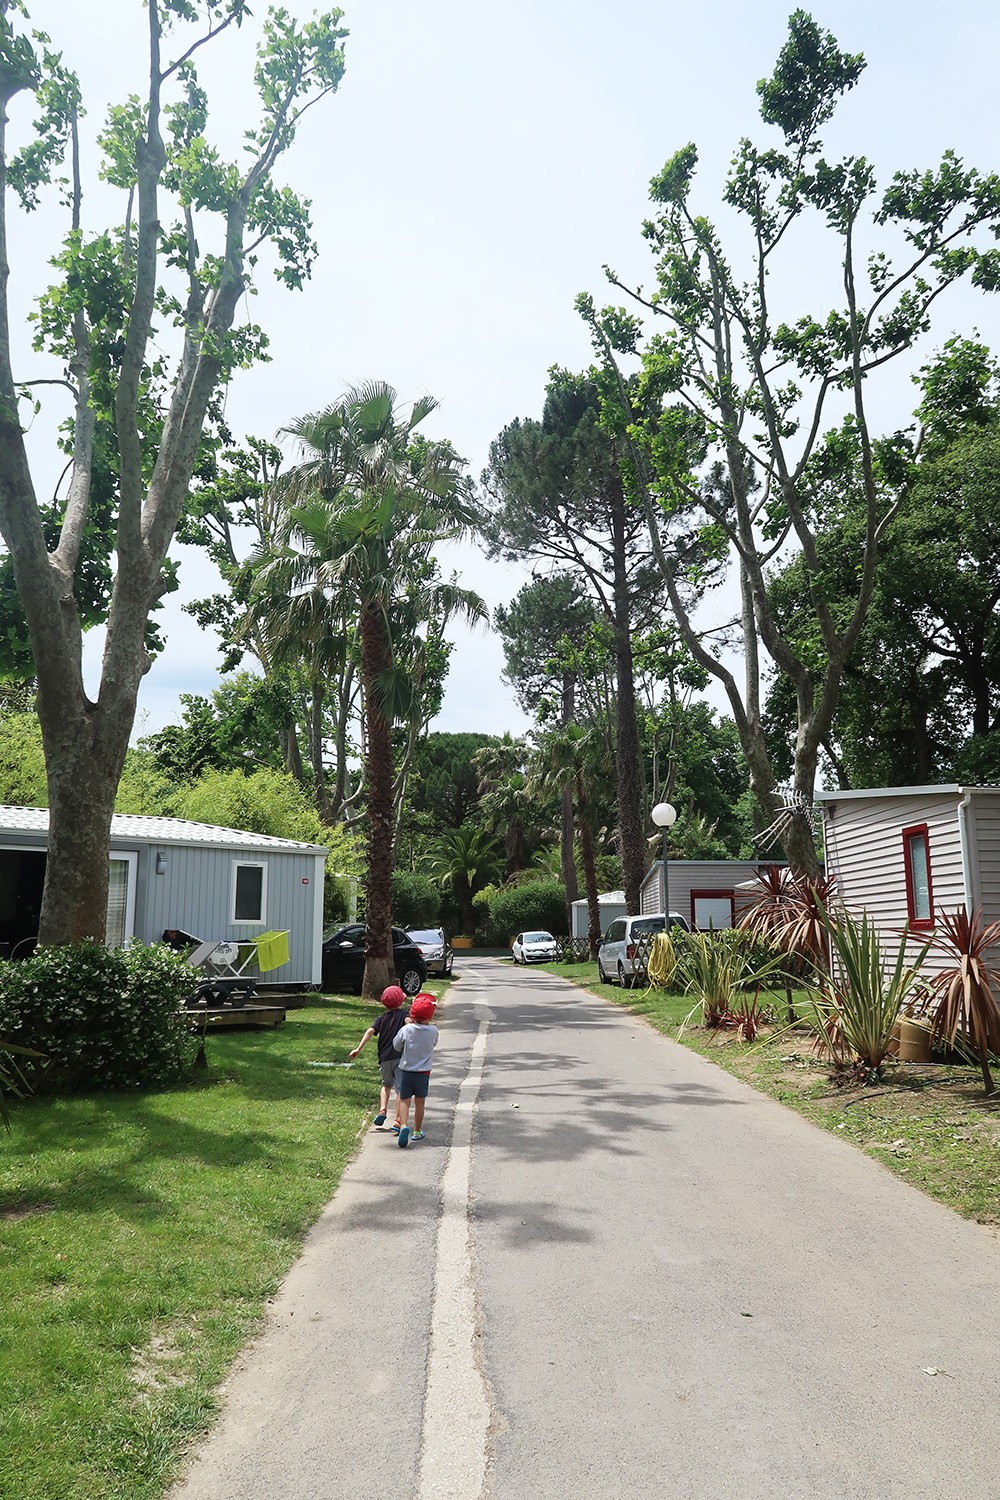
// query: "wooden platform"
[[237, 1015]]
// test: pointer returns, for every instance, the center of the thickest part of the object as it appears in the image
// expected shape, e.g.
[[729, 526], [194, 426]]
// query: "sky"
[[477, 168]]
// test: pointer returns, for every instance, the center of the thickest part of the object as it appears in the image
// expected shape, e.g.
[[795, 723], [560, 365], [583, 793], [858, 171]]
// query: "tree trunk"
[[627, 760], [590, 885], [566, 850], [84, 760], [375, 659]]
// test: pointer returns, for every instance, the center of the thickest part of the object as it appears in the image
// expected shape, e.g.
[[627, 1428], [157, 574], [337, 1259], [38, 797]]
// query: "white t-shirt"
[[416, 1040]]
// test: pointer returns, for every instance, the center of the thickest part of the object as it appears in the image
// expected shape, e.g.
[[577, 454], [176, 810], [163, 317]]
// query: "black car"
[[344, 960]]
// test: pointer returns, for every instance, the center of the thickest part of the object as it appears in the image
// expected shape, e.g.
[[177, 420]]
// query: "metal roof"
[[129, 826], [951, 788]]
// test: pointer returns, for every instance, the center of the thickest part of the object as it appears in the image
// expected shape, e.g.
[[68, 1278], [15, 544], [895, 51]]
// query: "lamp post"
[[665, 816]]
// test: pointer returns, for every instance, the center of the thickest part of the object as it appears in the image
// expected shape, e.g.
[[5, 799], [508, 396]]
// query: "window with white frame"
[[249, 893]]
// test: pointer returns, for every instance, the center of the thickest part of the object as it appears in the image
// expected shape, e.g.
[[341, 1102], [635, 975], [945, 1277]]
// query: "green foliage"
[[716, 967], [416, 899], [444, 783], [103, 1017], [266, 801], [239, 727], [145, 789], [541, 905], [855, 1011], [22, 761]]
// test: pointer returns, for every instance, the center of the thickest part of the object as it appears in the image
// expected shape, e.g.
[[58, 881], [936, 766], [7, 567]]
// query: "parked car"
[[622, 954], [344, 959], [535, 948], [438, 954]]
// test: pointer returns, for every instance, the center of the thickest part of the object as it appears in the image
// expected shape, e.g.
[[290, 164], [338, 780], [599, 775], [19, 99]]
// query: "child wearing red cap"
[[416, 1041], [385, 1027]]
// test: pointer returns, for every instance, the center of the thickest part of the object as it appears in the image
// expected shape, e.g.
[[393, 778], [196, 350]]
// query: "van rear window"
[[648, 924]]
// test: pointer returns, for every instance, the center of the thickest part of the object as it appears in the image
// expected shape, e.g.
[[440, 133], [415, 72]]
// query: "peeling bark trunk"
[[590, 885]]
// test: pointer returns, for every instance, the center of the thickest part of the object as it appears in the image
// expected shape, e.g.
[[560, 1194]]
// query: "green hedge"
[[104, 1017], [541, 905], [416, 899]]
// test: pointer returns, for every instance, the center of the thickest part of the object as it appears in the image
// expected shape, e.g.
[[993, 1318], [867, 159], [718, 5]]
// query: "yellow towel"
[[272, 950]]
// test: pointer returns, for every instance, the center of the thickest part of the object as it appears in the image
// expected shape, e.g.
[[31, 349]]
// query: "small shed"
[[703, 890], [215, 883], [906, 854], [612, 906]]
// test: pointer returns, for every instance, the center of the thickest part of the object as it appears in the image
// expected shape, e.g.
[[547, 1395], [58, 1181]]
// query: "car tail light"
[[630, 952]]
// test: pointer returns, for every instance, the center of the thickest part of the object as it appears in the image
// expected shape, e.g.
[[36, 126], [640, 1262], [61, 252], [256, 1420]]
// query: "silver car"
[[622, 955], [438, 954]]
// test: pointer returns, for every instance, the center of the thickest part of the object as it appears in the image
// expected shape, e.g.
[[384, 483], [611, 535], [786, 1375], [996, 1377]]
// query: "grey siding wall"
[[864, 850], [687, 875], [194, 893], [986, 831]]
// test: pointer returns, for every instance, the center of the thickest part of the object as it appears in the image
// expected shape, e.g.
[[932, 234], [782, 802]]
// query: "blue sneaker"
[[404, 1136], [380, 1117]]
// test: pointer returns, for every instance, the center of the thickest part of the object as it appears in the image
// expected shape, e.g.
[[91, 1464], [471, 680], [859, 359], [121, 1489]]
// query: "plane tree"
[[171, 273]]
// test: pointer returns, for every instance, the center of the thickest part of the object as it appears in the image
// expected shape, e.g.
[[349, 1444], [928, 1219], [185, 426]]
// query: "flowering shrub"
[[103, 1017]]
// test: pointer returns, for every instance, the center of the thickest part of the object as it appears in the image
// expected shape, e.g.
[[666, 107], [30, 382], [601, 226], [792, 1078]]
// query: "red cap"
[[393, 997], [422, 1008]]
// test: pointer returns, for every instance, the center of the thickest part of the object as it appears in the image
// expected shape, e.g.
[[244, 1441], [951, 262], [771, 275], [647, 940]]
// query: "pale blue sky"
[[478, 167]]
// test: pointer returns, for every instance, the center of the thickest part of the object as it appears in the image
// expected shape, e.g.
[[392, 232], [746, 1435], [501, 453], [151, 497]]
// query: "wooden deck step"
[[243, 1015]]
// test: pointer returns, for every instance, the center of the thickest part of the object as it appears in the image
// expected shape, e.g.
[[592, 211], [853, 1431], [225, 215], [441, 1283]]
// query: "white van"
[[619, 957]]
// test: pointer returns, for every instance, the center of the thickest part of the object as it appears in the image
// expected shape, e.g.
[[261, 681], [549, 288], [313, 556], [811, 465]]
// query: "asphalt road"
[[613, 1269]]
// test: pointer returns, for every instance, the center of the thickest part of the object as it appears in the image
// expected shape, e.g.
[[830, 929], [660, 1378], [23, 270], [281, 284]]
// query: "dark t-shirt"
[[386, 1027]]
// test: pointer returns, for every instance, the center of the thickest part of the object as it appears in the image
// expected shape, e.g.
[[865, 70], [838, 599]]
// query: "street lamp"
[[665, 816]]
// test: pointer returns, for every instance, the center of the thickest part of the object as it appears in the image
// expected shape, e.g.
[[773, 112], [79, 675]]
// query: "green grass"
[[929, 1125], [140, 1237]]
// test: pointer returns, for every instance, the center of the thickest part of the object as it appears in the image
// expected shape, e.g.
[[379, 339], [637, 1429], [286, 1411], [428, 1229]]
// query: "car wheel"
[[601, 976], [624, 980], [411, 981], [448, 968]]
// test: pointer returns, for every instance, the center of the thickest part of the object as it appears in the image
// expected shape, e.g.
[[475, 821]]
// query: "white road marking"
[[457, 1409]]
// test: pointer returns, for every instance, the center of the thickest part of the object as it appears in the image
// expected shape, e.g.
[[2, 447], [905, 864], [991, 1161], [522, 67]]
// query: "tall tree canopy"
[[730, 425], [181, 255], [555, 490]]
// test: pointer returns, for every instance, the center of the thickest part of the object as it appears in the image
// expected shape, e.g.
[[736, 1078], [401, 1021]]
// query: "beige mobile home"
[[907, 854]]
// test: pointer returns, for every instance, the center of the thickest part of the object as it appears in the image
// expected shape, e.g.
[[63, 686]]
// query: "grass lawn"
[[141, 1235], [930, 1125]]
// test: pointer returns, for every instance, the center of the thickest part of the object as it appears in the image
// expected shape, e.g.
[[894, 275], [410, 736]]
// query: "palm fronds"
[[962, 1004]]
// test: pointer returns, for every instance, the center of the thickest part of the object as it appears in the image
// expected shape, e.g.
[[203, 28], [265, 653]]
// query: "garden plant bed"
[[930, 1124], [141, 1235]]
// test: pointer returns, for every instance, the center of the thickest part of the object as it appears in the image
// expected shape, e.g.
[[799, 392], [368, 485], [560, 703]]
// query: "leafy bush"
[[416, 899], [103, 1017], [542, 905]]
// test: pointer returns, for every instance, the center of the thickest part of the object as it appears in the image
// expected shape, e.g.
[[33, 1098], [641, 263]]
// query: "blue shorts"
[[413, 1085]]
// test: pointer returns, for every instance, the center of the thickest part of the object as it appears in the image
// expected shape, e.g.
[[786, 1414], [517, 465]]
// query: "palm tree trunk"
[[376, 659], [590, 882]]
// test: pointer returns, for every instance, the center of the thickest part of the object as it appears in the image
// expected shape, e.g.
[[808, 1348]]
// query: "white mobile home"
[[907, 854], [703, 890], [612, 906], [214, 883]]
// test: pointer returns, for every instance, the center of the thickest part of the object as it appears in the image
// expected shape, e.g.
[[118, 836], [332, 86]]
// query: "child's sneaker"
[[380, 1117], [404, 1136], [418, 1135]]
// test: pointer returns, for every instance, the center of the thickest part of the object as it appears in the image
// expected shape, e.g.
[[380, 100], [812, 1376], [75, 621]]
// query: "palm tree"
[[365, 507], [465, 860]]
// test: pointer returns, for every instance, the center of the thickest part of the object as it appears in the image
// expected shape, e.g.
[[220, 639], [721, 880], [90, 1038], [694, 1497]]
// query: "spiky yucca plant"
[[962, 1004], [859, 1002]]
